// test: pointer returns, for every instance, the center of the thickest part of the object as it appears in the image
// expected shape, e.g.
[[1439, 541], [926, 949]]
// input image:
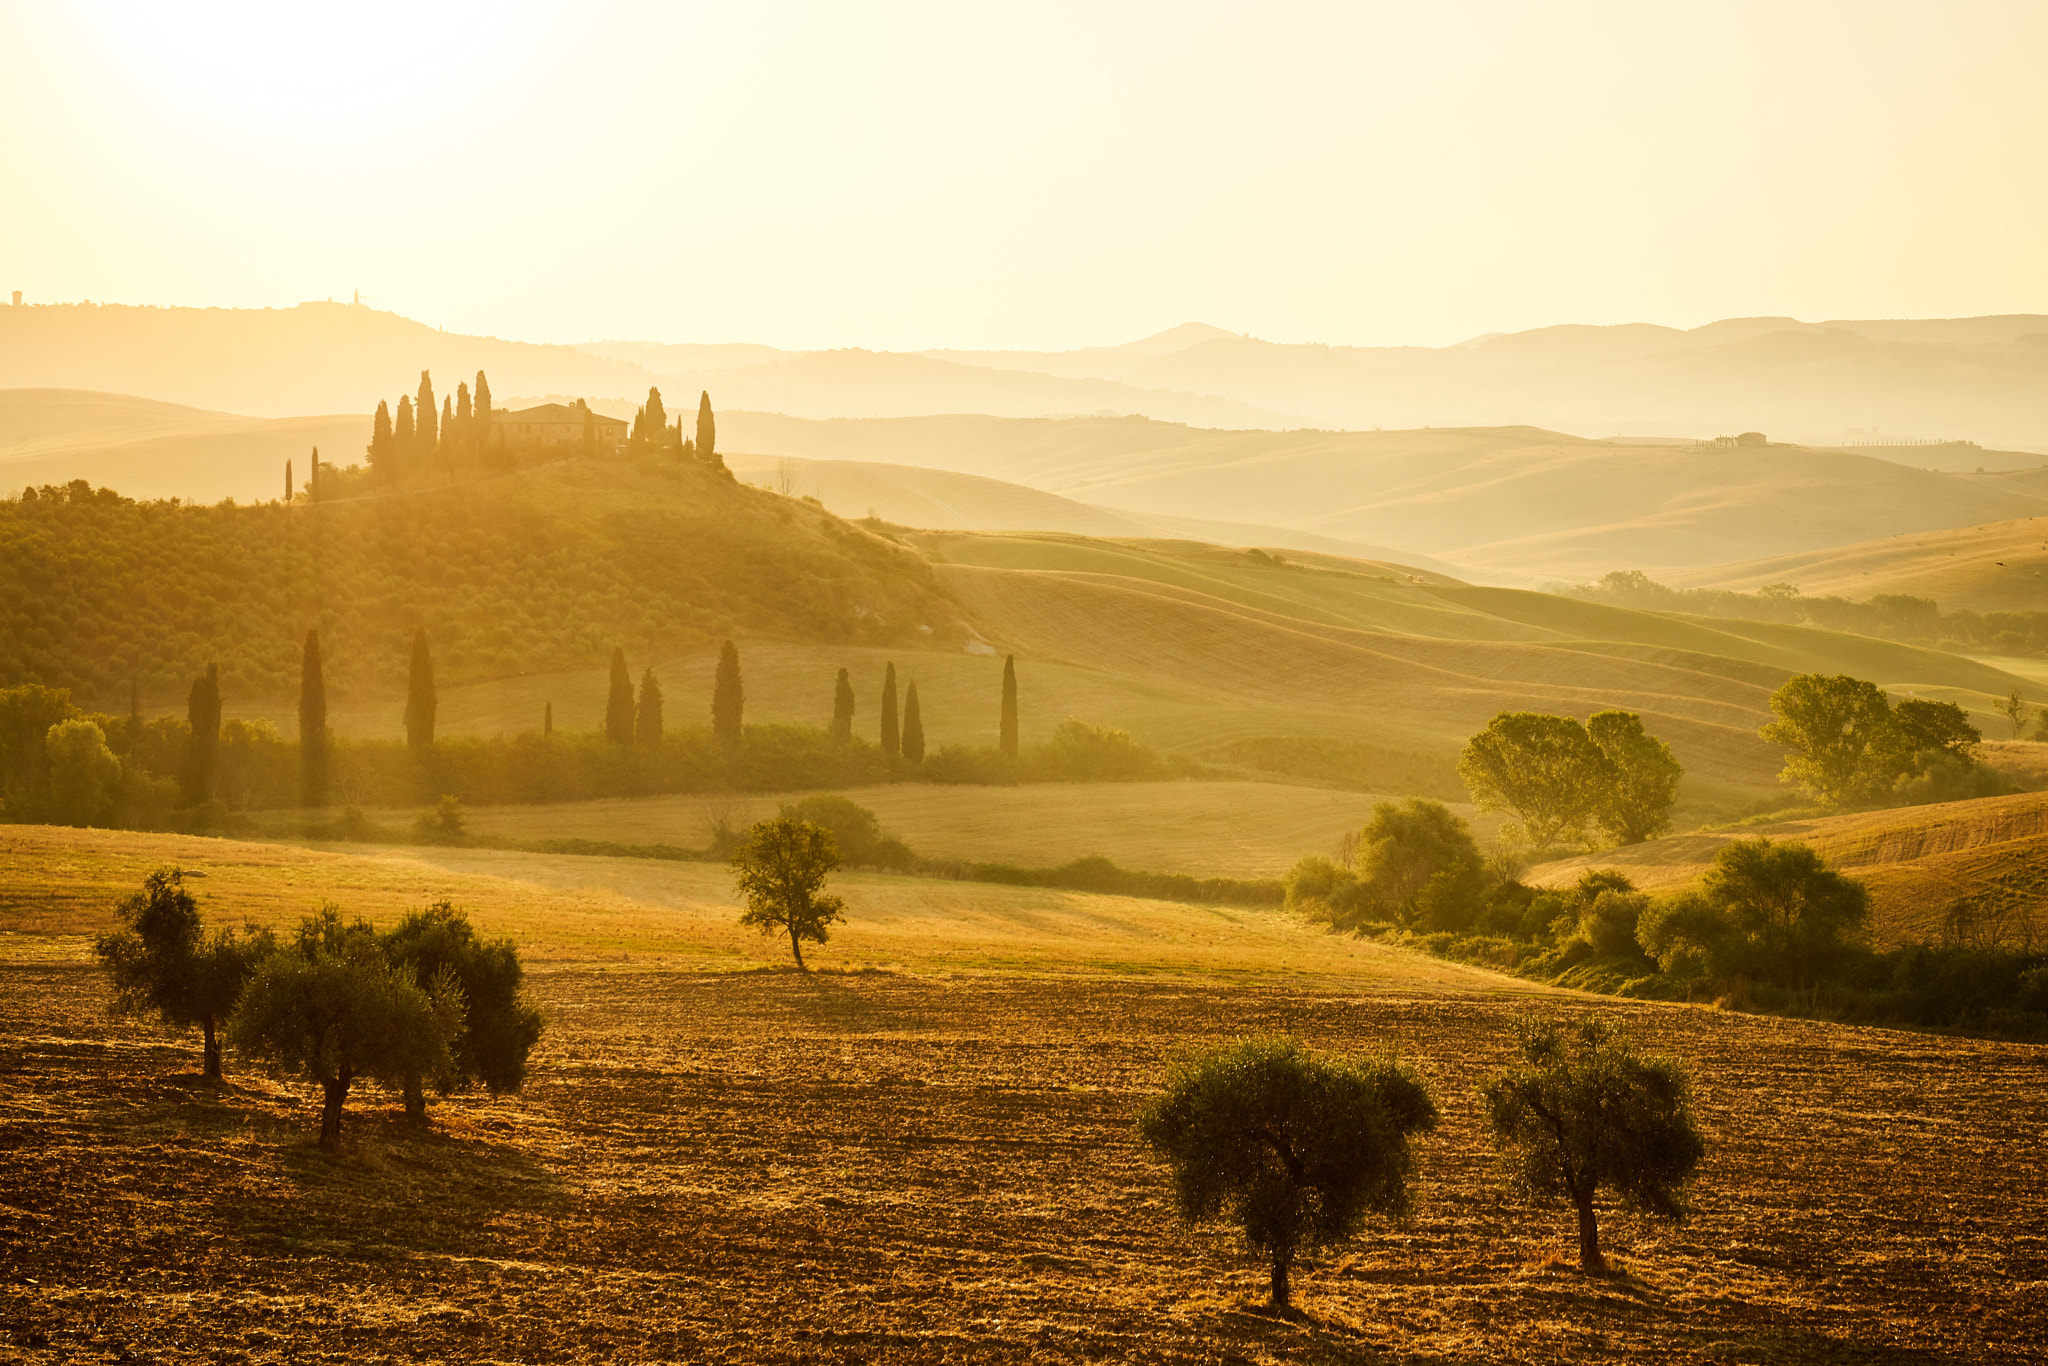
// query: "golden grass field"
[[1996, 567], [58, 887], [1917, 861], [1208, 829], [934, 1160]]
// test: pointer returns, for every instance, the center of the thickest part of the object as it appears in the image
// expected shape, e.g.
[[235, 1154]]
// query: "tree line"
[[1890, 616]]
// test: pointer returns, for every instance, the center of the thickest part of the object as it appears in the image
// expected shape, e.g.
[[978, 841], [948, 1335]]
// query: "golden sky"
[[1048, 175]]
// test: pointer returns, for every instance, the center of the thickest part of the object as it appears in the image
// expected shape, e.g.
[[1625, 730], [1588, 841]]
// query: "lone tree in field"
[[1642, 781], [163, 964], [312, 726], [618, 701], [441, 951], [1582, 1112], [842, 708], [2013, 708], [892, 737], [647, 718], [913, 726], [1006, 733], [420, 701], [1294, 1148], [779, 870], [333, 1008], [1545, 769], [728, 698], [202, 742], [1842, 735]]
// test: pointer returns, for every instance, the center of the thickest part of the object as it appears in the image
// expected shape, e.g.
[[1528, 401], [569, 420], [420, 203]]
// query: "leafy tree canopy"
[[780, 870]]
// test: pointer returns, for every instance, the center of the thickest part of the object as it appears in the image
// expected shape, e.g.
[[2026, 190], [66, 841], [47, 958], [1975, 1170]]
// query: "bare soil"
[[875, 1167]]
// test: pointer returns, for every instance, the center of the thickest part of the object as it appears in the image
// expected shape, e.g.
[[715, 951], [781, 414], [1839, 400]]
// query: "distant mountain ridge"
[[1836, 382]]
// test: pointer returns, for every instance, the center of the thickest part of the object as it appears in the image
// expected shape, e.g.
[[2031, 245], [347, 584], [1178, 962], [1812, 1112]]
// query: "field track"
[[883, 1168]]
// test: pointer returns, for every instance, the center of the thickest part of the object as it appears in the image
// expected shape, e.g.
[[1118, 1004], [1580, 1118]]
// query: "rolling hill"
[[1996, 567], [1917, 862], [149, 449], [1511, 504]]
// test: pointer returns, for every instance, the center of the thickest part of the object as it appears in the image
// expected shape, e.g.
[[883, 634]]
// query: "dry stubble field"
[[875, 1166]]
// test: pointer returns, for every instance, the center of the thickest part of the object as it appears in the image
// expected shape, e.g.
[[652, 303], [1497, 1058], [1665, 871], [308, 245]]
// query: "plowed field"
[[878, 1167]]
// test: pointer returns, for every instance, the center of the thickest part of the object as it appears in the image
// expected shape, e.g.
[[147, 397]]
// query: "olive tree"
[[498, 1028], [1544, 768], [1845, 744], [1292, 1147], [163, 964], [1581, 1112], [779, 870], [334, 1009]]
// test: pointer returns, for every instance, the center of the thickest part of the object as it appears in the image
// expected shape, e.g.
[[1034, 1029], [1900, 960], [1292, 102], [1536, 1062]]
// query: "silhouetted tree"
[[448, 427], [163, 964], [427, 440], [842, 708], [2013, 707], [1642, 781], [657, 417], [481, 397], [1293, 1148], [383, 452], [779, 871], [287, 480], [202, 740], [312, 725], [647, 719], [618, 702], [405, 433], [1581, 1111], [334, 1008], [547, 721], [1764, 912], [465, 415], [728, 698], [892, 739], [1545, 769], [420, 700], [440, 949], [313, 477], [913, 726], [1007, 731], [707, 432]]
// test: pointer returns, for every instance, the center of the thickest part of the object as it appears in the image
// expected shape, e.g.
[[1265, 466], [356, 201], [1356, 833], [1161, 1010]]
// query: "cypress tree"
[[657, 416], [728, 698], [383, 445], [465, 425], [707, 433], [618, 702], [405, 433], [202, 744], [312, 726], [1008, 731], [448, 427], [313, 477], [287, 479], [427, 439], [892, 742], [647, 720], [913, 726], [420, 701], [547, 722], [842, 708], [481, 415]]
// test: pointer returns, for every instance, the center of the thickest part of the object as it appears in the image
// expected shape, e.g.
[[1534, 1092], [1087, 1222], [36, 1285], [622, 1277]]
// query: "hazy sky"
[[906, 176]]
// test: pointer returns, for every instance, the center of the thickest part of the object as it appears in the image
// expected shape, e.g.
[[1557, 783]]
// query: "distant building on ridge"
[[557, 424]]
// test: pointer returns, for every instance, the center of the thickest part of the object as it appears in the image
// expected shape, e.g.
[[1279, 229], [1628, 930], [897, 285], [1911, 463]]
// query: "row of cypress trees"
[[420, 433], [628, 720]]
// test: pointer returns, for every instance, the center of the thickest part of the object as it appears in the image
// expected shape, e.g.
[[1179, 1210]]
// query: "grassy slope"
[[546, 568], [1997, 567], [58, 886], [1209, 829], [1917, 860]]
